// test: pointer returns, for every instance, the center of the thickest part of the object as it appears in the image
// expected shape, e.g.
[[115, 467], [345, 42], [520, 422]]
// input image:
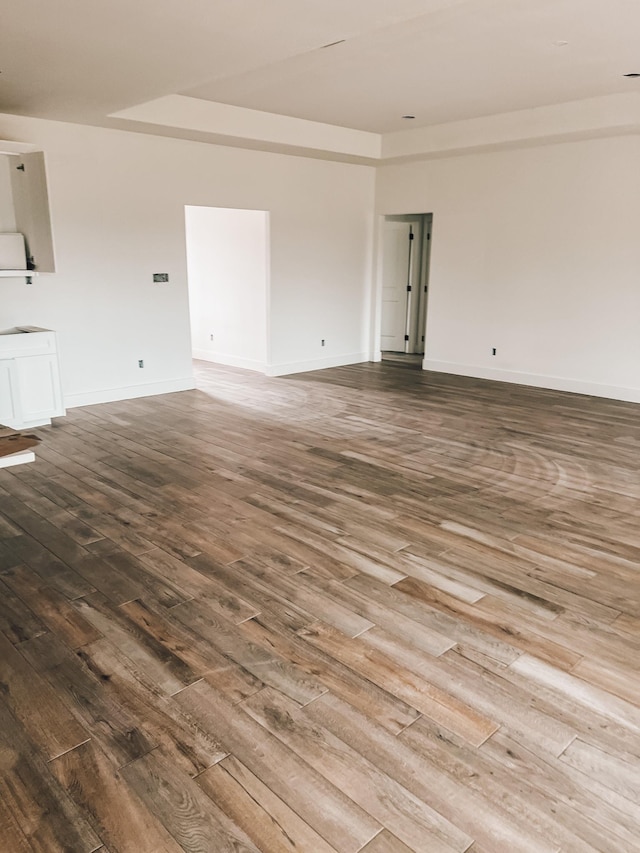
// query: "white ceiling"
[[440, 60]]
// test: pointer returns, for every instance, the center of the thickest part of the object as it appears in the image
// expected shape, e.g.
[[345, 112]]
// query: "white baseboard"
[[553, 383], [316, 364], [229, 360], [129, 392]]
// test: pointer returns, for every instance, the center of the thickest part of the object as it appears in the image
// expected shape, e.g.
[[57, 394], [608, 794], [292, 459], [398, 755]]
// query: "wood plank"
[[558, 708], [394, 806], [445, 793], [519, 709], [47, 817], [116, 812], [324, 807], [175, 800], [386, 709], [51, 607], [421, 636], [11, 835], [64, 520], [385, 842], [384, 671], [180, 737], [239, 577], [352, 558], [491, 623], [17, 621], [313, 601], [178, 640], [183, 576], [595, 819], [36, 705], [183, 641], [261, 662], [615, 772], [148, 583], [518, 801], [400, 599], [168, 671], [621, 681], [54, 572], [619, 710], [8, 558], [262, 816], [89, 694]]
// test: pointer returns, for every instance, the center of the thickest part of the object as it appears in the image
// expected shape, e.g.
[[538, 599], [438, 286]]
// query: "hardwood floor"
[[364, 609]]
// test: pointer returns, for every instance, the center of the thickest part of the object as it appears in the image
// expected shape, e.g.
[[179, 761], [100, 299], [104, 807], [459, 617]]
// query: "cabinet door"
[[9, 406], [39, 382], [31, 207]]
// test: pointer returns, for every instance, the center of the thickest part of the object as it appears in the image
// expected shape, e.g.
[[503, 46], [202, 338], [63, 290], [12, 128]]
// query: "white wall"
[[117, 202], [227, 264], [535, 252]]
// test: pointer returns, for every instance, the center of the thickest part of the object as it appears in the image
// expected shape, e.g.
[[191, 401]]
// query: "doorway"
[[406, 244], [228, 278]]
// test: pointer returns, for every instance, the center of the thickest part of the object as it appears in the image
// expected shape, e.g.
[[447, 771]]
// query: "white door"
[[396, 258]]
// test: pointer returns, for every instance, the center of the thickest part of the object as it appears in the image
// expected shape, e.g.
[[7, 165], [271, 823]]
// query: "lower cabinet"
[[30, 390], [8, 408]]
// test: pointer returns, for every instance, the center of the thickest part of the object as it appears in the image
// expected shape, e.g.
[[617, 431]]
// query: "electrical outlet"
[[210, 337], [140, 362], [322, 342]]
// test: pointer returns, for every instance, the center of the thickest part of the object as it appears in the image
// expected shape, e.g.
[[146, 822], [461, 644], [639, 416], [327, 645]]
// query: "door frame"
[[424, 262]]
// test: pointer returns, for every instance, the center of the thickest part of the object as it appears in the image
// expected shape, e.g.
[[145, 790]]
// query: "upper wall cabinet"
[[25, 206]]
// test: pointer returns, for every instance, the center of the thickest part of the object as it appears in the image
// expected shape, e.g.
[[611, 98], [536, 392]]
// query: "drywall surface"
[[227, 264], [227, 120], [117, 204], [534, 252]]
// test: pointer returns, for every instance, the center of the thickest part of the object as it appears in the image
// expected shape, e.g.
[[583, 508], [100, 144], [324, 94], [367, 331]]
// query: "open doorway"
[[406, 244], [228, 275]]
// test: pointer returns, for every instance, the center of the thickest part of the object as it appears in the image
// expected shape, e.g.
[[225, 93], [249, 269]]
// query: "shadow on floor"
[[412, 361]]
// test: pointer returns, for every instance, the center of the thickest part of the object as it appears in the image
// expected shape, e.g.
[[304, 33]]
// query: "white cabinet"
[[30, 390], [7, 396]]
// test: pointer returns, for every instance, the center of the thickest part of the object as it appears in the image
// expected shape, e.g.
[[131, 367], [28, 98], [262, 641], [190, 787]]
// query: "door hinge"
[[423, 339], [408, 288], [411, 235], [425, 288], [428, 236], [406, 337]]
